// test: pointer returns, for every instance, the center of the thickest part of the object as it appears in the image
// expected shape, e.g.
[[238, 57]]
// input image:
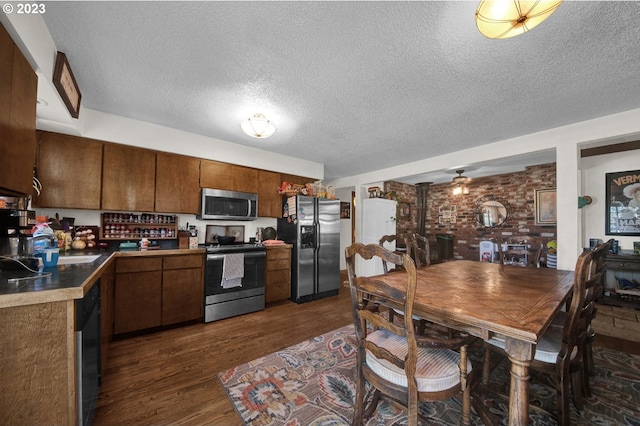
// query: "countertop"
[[68, 282]]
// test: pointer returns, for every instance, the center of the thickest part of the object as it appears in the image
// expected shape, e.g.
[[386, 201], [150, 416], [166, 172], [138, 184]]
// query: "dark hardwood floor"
[[170, 377]]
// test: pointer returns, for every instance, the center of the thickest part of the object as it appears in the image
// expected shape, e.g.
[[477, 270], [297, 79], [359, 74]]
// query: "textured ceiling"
[[358, 86]]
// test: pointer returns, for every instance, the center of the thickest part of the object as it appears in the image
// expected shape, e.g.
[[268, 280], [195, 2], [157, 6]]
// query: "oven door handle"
[[247, 254]]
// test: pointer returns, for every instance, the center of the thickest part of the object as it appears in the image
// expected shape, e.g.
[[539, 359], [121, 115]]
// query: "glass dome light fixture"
[[460, 184], [509, 18], [258, 126]]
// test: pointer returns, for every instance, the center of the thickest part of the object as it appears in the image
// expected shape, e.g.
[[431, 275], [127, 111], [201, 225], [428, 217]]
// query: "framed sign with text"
[[623, 203], [66, 84]]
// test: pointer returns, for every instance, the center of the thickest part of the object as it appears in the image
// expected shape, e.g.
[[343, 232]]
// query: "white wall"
[[594, 185]]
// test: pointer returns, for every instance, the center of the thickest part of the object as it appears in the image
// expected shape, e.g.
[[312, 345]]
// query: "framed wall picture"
[[345, 210], [66, 84], [545, 207], [404, 209], [623, 203]]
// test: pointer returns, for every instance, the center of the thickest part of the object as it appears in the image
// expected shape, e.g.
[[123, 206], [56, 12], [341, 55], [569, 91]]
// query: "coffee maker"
[[16, 224]]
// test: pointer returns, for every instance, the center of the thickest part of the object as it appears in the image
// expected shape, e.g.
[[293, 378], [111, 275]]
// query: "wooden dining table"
[[484, 299]]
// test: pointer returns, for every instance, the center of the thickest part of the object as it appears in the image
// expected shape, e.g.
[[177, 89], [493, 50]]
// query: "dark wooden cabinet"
[[128, 178], [70, 170], [18, 93], [84, 173], [300, 180], [624, 265], [158, 290], [182, 289], [245, 179], [277, 284], [138, 297], [214, 174], [177, 184], [269, 200]]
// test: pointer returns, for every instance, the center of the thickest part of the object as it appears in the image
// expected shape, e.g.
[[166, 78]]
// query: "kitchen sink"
[[71, 260]]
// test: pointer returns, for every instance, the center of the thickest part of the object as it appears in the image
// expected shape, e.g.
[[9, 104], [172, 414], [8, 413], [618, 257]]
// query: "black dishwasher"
[[88, 353]]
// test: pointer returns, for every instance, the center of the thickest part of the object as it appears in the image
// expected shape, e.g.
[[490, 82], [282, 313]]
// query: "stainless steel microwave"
[[218, 204]]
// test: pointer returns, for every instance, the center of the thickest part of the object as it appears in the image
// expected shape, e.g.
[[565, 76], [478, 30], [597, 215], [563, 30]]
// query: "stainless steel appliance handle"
[[246, 254], [248, 208]]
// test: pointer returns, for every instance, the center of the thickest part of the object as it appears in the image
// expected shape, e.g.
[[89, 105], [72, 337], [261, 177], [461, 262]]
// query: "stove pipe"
[[423, 190]]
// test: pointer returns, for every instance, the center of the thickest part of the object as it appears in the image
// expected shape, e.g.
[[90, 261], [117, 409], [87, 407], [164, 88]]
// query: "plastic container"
[[40, 244], [331, 192], [50, 257]]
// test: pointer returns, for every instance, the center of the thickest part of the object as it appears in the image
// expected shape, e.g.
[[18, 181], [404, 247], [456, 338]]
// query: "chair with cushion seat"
[[397, 363], [559, 353]]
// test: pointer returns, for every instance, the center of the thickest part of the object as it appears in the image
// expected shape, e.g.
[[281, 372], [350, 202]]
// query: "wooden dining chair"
[[559, 353], [397, 363], [390, 239], [420, 252], [596, 268]]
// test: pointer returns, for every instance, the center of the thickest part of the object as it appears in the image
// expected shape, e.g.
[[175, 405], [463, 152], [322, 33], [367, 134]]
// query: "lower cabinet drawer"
[[277, 285], [138, 264]]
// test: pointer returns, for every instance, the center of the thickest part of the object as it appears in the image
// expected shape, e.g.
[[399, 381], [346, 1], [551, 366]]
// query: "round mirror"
[[491, 213]]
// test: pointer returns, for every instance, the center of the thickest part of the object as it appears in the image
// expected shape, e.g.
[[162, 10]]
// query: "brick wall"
[[516, 189]]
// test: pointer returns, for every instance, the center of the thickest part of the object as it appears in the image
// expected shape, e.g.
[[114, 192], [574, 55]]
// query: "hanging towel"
[[232, 270]]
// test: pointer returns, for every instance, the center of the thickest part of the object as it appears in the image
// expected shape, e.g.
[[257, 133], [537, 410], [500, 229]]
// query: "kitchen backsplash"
[[92, 217]]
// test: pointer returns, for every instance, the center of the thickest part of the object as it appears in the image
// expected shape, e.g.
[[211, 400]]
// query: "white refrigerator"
[[378, 219]]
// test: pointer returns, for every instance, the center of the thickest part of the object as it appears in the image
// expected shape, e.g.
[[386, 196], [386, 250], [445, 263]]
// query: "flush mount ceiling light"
[[460, 184], [508, 18], [258, 126]]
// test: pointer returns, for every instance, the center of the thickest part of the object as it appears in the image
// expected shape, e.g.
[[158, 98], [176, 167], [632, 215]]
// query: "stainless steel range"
[[233, 280]]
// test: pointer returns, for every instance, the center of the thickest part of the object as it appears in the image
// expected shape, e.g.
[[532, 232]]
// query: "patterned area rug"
[[312, 383]]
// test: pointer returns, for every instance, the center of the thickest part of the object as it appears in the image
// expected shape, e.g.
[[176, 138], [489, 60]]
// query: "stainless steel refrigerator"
[[313, 227]]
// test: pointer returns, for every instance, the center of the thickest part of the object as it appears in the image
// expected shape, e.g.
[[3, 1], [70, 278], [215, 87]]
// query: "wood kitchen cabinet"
[[269, 200], [300, 180], [138, 295], [153, 291], [128, 178], [38, 367], [182, 288], [18, 92], [218, 175], [214, 174], [277, 284], [70, 170], [620, 266], [177, 184]]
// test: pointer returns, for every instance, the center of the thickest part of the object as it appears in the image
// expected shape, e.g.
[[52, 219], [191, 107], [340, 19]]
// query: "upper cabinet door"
[[245, 179], [128, 178], [70, 170], [217, 175], [269, 200], [18, 92], [177, 188], [214, 174]]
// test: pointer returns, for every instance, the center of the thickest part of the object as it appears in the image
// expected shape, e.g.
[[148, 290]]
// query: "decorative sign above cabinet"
[[66, 84]]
